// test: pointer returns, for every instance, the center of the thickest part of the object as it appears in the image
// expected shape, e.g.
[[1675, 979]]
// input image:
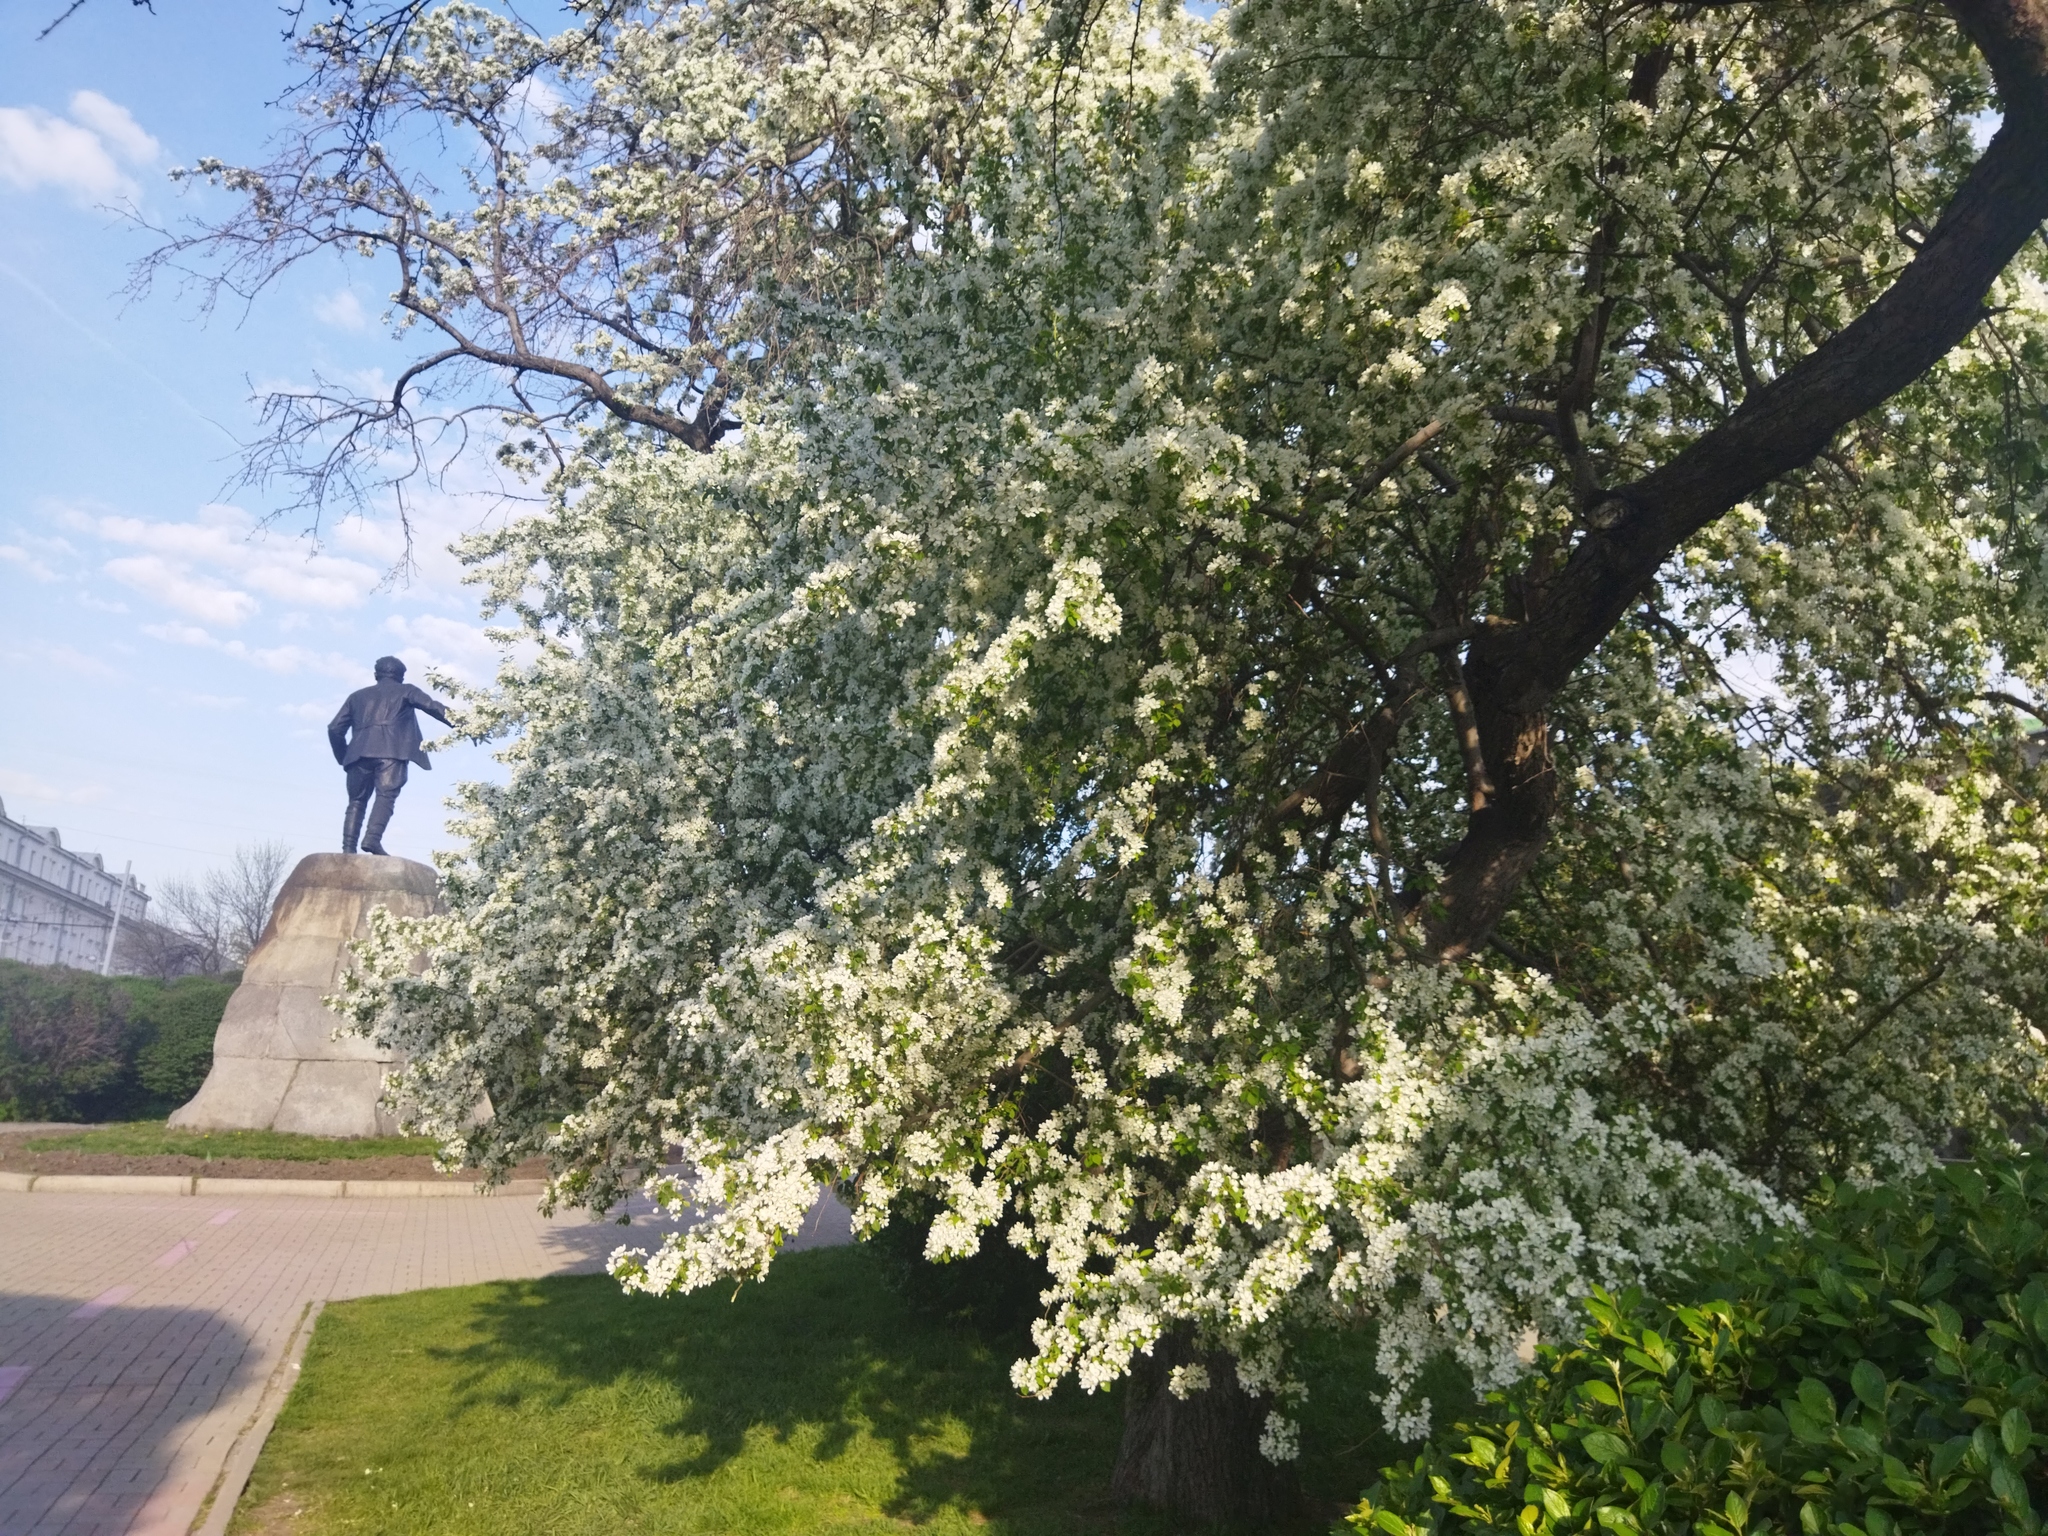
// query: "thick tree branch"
[[1934, 305]]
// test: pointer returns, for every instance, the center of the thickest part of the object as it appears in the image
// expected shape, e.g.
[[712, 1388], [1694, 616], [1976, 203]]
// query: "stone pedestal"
[[276, 1063]]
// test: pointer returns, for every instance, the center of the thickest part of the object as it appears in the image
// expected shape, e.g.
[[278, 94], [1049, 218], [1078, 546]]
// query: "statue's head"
[[390, 669]]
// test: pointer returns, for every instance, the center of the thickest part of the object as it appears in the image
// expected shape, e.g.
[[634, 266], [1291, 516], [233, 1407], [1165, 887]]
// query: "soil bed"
[[149, 1147], [15, 1158]]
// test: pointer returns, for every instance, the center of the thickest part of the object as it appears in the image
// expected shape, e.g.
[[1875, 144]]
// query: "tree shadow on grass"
[[825, 1360]]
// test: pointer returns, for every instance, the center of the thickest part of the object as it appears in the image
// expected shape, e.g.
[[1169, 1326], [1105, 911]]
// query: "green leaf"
[[1601, 1392], [1812, 1520], [2014, 1432], [1817, 1400], [1713, 1412], [2006, 1485], [1806, 1426], [1949, 1455], [1556, 1505], [1736, 1509], [1605, 1448], [1390, 1522], [1867, 1382]]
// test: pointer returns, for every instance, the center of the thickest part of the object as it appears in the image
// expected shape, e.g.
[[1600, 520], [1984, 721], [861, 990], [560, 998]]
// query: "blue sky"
[[169, 661]]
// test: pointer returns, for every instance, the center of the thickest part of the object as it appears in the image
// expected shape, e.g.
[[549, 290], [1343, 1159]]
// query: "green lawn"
[[152, 1138], [816, 1401]]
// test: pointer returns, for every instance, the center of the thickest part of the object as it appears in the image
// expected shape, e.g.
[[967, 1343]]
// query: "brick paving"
[[138, 1332]]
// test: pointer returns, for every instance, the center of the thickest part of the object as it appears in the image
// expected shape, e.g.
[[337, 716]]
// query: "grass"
[[152, 1138], [814, 1402]]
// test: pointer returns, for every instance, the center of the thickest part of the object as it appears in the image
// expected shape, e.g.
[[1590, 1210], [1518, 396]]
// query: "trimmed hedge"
[[76, 1046], [1884, 1371]]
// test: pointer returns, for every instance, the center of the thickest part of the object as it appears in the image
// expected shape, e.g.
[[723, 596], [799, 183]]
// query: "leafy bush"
[[75, 1046], [178, 1020], [1882, 1372]]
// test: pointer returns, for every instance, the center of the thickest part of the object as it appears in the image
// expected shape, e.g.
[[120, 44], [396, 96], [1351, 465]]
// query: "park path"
[[138, 1334]]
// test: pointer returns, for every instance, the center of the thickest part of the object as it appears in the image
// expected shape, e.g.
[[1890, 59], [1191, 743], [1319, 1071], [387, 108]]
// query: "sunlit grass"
[[815, 1401], [152, 1138]]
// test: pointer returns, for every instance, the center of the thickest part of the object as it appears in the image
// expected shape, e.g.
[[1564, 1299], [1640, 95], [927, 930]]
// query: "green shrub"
[[1883, 1372], [178, 1020], [76, 1046]]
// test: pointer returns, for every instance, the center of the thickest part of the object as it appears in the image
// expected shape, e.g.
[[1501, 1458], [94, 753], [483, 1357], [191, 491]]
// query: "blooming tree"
[[1372, 673]]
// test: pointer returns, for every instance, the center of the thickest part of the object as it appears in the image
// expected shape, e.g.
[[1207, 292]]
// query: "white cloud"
[[342, 310], [116, 125], [41, 654], [212, 567], [178, 586], [29, 787], [284, 660], [536, 100], [73, 660], [84, 154], [430, 641], [16, 555]]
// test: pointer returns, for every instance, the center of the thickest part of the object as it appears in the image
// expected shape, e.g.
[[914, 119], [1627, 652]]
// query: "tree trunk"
[[1198, 1457]]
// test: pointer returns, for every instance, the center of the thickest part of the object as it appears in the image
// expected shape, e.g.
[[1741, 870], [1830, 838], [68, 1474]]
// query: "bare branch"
[[589, 273]]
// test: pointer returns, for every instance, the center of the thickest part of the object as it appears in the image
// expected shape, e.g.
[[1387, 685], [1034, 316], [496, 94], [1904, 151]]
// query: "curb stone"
[[112, 1183], [216, 1188], [311, 1189], [248, 1443]]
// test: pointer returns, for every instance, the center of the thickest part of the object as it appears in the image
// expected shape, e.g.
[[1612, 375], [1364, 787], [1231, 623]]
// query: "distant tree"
[[245, 891], [154, 949], [220, 917]]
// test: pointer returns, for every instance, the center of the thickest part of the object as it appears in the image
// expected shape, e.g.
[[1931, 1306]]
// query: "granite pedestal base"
[[277, 1065]]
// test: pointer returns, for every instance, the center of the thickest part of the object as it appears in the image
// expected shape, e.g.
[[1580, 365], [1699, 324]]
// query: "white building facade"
[[56, 906]]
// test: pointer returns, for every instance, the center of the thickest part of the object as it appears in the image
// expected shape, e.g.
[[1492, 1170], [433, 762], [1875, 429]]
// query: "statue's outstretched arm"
[[423, 700]]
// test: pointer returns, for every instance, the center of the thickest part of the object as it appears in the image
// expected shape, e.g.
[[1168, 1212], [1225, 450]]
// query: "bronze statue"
[[376, 734]]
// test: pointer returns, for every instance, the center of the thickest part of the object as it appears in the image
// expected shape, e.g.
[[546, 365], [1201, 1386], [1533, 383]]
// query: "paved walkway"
[[138, 1333]]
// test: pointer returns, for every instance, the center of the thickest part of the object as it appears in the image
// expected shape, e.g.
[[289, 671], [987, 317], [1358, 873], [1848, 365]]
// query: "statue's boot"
[[380, 818], [351, 821]]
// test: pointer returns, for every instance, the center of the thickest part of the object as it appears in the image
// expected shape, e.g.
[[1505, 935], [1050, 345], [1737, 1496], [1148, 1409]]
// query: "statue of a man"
[[376, 734]]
